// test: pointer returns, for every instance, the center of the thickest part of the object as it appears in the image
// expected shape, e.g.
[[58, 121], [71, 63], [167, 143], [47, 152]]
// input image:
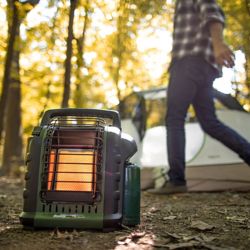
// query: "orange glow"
[[75, 170], [52, 158]]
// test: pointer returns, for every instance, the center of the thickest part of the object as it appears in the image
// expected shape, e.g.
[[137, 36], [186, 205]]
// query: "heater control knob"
[[36, 131]]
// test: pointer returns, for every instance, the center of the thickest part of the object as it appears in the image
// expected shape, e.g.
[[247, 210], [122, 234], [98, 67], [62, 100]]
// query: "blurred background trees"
[[238, 36], [90, 54]]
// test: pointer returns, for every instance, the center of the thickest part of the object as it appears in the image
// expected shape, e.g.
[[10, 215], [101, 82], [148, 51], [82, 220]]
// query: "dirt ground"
[[186, 221]]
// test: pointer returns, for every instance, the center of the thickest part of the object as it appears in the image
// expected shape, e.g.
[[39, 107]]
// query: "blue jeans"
[[191, 80]]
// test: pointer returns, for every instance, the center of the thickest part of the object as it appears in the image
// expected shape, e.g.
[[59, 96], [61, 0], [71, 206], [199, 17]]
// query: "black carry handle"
[[111, 114]]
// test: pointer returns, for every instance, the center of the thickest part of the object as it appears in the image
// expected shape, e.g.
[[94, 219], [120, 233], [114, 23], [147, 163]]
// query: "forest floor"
[[186, 221]]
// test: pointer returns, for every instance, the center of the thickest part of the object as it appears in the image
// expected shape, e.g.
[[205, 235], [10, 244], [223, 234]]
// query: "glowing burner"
[[72, 170]]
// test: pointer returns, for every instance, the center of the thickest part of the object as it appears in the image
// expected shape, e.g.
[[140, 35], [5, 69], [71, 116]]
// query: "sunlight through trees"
[[90, 54]]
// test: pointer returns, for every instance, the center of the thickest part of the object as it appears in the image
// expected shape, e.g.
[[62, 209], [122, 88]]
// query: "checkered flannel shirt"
[[191, 32]]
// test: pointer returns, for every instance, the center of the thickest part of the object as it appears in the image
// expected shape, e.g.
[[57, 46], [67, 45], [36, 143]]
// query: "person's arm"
[[222, 53], [212, 16]]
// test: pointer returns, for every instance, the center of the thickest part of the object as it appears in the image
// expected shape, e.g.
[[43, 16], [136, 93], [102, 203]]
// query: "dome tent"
[[203, 153]]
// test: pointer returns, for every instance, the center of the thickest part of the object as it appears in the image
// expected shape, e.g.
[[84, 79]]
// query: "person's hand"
[[224, 56]]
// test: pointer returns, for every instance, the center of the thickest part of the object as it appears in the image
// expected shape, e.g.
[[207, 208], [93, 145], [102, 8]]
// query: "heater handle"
[[111, 114]]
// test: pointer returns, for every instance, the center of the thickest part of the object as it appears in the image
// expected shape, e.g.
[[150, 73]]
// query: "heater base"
[[77, 221]]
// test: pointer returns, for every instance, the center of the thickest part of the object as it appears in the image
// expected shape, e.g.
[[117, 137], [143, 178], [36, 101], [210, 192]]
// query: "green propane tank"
[[132, 195]]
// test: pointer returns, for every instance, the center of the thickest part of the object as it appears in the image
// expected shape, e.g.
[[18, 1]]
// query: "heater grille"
[[72, 159]]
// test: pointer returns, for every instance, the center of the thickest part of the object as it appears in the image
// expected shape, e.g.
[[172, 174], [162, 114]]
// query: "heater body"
[[78, 173]]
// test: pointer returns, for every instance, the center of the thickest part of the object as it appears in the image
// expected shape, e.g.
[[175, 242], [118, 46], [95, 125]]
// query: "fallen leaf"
[[138, 234], [171, 217], [124, 242], [200, 225], [211, 247], [174, 236], [146, 240], [154, 210], [206, 238], [56, 234], [182, 245], [126, 239], [236, 219], [122, 238]]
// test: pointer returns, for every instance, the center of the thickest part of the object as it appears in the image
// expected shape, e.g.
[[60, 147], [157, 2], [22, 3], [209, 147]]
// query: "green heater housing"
[[79, 174]]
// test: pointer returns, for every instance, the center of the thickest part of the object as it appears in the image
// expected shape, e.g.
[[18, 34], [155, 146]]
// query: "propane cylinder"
[[132, 195]]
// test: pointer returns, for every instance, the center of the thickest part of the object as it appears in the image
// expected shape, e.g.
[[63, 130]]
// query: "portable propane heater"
[[78, 173]]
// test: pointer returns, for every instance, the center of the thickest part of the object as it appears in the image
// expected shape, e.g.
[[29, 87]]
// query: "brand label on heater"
[[68, 216]]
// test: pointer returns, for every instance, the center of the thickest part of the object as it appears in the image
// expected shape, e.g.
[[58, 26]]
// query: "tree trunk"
[[11, 92], [67, 75], [119, 48], [12, 30], [247, 68], [12, 152]]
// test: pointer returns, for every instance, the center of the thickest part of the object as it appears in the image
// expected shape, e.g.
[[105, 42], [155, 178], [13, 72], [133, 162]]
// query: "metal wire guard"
[[73, 155]]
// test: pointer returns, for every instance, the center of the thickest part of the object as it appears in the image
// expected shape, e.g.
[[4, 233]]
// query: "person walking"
[[198, 54]]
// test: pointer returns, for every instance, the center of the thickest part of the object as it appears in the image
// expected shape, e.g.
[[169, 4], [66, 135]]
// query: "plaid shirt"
[[191, 31]]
